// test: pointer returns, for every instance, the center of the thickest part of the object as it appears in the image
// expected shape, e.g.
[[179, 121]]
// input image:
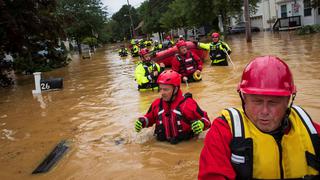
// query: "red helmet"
[[143, 51], [215, 35], [169, 77], [168, 38], [267, 75], [181, 43]]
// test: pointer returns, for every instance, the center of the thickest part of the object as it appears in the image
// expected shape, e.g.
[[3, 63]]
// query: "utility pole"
[[132, 27], [247, 20]]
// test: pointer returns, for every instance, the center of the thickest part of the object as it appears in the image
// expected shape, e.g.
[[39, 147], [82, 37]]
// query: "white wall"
[[317, 16]]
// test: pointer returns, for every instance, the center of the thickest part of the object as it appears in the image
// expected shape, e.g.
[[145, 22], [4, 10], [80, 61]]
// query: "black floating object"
[[52, 158]]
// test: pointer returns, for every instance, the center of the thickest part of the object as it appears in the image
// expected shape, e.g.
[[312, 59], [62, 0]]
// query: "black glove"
[[153, 54]]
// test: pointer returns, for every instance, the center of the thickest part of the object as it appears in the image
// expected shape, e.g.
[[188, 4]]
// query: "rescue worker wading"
[[134, 49], [187, 63], [217, 50], [147, 72], [269, 137], [157, 46], [167, 43], [176, 117], [123, 51]]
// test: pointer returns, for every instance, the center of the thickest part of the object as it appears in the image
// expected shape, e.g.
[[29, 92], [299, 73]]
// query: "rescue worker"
[[167, 43], [147, 72], [175, 116], [269, 137], [123, 51], [157, 46], [186, 63], [218, 50], [134, 49], [141, 44]]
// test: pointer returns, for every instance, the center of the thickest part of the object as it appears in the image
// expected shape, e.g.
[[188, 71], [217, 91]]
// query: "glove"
[[153, 54], [197, 127], [138, 125]]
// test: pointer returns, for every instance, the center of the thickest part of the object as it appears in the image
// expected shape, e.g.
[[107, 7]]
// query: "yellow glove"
[[197, 126], [138, 125]]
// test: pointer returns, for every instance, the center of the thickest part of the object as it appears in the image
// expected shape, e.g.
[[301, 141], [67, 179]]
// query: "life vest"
[[135, 50], [217, 53], [187, 65], [257, 155], [151, 68], [170, 124]]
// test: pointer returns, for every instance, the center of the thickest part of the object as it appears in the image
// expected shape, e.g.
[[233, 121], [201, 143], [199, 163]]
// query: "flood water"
[[97, 108]]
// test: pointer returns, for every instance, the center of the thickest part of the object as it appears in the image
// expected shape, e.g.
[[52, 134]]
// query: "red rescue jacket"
[[173, 120], [186, 64]]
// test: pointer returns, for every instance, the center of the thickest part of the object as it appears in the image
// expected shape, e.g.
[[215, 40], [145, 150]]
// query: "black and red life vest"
[[172, 125], [188, 65]]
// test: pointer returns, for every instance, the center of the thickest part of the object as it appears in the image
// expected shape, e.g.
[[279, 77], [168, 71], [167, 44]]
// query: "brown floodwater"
[[97, 108]]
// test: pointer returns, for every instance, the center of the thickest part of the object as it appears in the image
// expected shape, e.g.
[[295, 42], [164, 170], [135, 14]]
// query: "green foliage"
[[151, 12], [91, 41], [309, 29], [121, 22], [82, 18]]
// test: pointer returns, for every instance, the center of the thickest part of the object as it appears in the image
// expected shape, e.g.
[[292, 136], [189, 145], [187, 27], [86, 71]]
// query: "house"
[[284, 14]]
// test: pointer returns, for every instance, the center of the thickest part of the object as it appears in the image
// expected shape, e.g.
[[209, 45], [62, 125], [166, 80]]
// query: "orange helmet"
[[267, 75], [169, 77]]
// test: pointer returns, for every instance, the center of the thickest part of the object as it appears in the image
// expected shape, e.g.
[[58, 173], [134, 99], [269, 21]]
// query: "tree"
[[123, 21], [188, 13], [151, 12], [26, 28], [81, 18]]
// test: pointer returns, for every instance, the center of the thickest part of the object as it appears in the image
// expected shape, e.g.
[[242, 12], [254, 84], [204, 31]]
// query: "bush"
[[309, 29]]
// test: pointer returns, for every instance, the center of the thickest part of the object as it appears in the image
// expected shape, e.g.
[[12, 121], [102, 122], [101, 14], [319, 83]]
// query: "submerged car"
[[241, 28]]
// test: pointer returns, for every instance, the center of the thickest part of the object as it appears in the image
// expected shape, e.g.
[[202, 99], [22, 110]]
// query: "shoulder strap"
[[312, 160], [237, 122], [178, 57]]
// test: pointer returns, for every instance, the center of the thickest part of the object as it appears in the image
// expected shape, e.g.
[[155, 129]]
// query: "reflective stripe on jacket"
[[173, 120]]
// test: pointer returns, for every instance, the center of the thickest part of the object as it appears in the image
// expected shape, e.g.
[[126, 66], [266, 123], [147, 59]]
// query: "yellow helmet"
[[197, 76]]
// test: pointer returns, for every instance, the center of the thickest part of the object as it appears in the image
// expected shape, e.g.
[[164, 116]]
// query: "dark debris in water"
[[119, 141]]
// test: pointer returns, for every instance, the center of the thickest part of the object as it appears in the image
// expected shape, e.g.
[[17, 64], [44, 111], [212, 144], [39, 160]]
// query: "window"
[[284, 10], [307, 8]]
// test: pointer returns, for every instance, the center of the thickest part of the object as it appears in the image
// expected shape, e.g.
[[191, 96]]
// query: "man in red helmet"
[[176, 117], [167, 43], [187, 63], [269, 137], [218, 50], [147, 72]]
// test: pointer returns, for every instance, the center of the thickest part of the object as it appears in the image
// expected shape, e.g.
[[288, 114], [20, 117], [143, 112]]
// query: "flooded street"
[[97, 108]]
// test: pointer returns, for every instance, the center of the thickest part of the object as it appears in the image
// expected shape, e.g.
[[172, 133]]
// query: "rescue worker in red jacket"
[[175, 116], [269, 137], [186, 63]]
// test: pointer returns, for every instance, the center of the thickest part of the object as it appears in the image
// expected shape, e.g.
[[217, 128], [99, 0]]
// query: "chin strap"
[[174, 93]]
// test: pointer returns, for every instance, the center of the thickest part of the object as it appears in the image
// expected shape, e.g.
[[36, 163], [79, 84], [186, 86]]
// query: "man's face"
[[215, 39], [183, 50], [266, 112], [166, 91]]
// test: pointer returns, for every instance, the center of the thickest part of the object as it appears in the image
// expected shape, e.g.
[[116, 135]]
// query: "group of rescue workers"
[[267, 138]]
